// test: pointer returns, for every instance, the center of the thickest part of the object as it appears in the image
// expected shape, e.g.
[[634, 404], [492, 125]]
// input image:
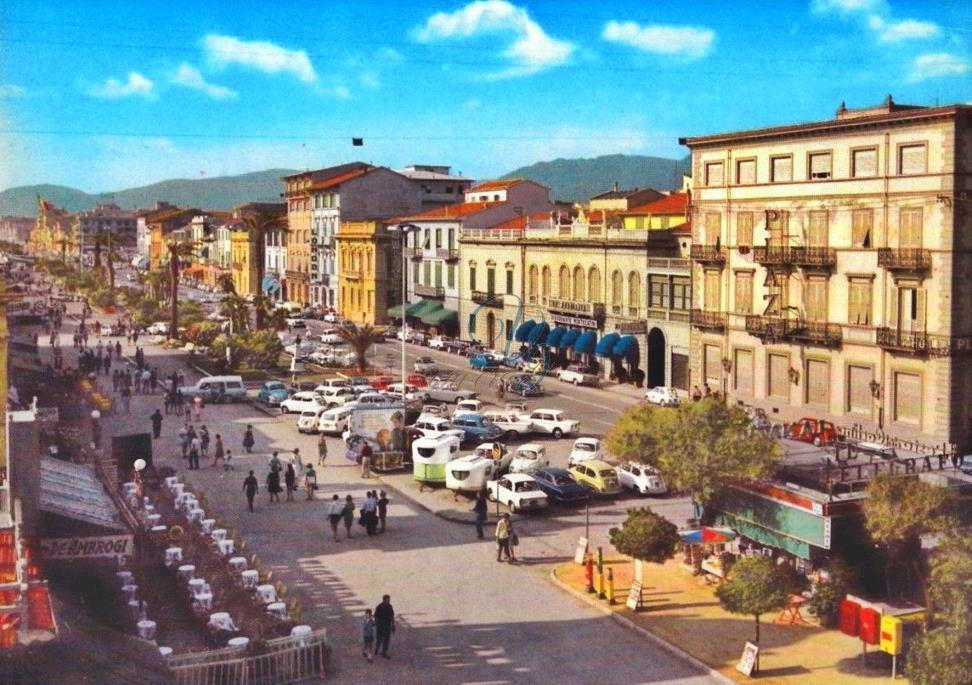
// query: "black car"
[[561, 486]]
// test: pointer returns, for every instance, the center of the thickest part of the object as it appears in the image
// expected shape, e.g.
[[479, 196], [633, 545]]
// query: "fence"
[[286, 660]]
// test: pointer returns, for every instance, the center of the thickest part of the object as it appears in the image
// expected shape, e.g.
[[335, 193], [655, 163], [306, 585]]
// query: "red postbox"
[[849, 613], [870, 626]]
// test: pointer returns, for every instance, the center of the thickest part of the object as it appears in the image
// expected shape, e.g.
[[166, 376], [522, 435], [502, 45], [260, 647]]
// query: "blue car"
[[273, 393], [484, 362], [561, 486], [477, 428]]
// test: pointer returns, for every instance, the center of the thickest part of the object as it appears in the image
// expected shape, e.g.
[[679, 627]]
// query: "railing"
[[708, 253], [773, 255], [896, 340], [429, 290], [354, 274], [663, 314], [487, 299], [814, 256], [764, 326], [447, 253], [828, 334], [286, 660], [905, 259], [701, 318], [667, 263], [492, 233]]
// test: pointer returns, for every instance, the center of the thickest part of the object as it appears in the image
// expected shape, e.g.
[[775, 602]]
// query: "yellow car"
[[597, 475]]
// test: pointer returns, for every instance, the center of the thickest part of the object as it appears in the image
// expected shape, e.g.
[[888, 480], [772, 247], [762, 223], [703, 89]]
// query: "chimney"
[[615, 186]]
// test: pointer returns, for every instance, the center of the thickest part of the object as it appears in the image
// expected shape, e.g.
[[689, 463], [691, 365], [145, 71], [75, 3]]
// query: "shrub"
[[263, 349]]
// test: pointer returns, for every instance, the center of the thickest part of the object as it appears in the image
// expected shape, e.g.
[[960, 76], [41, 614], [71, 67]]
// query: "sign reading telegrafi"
[[86, 547]]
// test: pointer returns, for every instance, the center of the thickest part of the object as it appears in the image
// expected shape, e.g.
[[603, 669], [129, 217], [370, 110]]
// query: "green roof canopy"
[[439, 316], [423, 307]]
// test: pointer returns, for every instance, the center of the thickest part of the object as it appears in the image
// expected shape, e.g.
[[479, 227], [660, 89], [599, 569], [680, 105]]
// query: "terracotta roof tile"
[[685, 228], [456, 211], [501, 184], [672, 204], [520, 222], [338, 180]]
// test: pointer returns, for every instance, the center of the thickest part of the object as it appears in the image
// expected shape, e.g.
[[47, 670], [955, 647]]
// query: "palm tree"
[[360, 339], [276, 320], [258, 226], [158, 284], [225, 283], [176, 252], [236, 309]]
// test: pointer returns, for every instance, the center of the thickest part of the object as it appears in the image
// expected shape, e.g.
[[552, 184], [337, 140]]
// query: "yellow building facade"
[[243, 263], [297, 193], [366, 271], [831, 261]]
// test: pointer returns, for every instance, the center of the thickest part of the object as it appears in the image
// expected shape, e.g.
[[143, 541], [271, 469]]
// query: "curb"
[[645, 633]]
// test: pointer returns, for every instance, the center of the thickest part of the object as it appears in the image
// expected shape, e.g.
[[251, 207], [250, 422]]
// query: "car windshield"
[[606, 473], [528, 455], [584, 447], [526, 486]]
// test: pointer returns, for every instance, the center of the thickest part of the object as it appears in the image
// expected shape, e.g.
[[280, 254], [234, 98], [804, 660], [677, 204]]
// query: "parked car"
[[641, 478], [437, 342], [518, 491], [332, 338], [815, 431], [513, 423], [411, 392], [448, 391], [215, 389], [529, 458], [468, 407], [333, 382], [425, 365], [381, 382], [296, 322], [334, 421], [306, 400], [561, 486], [432, 426], [331, 317], [378, 399], [463, 347], [335, 396], [484, 362], [599, 475], [663, 396], [531, 366], [524, 385], [575, 374], [554, 422], [417, 379], [477, 428], [309, 420], [585, 449], [273, 393], [158, 328]]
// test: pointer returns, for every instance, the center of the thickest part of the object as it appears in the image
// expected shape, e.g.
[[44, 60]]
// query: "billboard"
[[383, 427]]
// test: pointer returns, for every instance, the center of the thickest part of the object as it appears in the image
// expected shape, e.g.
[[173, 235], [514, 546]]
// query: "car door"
[[503, 491]]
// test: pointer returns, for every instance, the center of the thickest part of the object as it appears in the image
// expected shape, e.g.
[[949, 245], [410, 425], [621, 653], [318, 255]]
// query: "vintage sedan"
[[663, 396], [599, 475], [483, 362], [273, 393], [529, 458], [641, 478], [518, 491], [308, 421], [575, 374], [425, 365], [433, 426], [560, 486], [305, 400], [585, 449], [468, 407], [553, 422], [514, 424], [477, 428], [448, 391]]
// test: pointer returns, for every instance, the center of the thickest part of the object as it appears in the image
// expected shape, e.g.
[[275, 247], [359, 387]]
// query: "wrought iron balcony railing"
[[708, 254], [904, 259], [701, 318], [429, 290], [487, 299]]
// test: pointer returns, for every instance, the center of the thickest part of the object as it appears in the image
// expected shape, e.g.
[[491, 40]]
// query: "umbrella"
[[706, 535]]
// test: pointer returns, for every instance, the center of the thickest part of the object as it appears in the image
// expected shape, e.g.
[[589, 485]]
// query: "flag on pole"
[[44, 205]]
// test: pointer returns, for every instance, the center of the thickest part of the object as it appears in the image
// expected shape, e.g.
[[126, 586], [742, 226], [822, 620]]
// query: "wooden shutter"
[[782, 169], [743, 368], [712, 299], [907, 398], [779, 376], [861, 221], [744, 228], [714, 174], [713, 363], [680, 371], [744, 293], [818, 383], [859, 399], [817, 233], [713, 227], [815, 299], [911, 159], [909, 231], [893, 308], [865, 163]]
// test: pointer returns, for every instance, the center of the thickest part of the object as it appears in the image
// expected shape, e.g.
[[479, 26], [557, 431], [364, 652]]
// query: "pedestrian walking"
[[347, 513], [153, 380], [146, 381], [126, 399], [204, 442], [275, 464], [118, 349], [218, 452], [384, 625], [481, 508], [310, 481], [334, 514], [250, 488], [297, 461], [195, 445], [197, 407], [503, 538], [228, 464], [382, 509], [321, 450], [248, 439], [156, 424], [106, 362], [368, 635], [273, 485], [366, 460], [370, 514], [184, 440], [514, 541], [290, 482]]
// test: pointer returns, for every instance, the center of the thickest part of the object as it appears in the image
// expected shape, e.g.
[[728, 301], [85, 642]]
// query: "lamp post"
[[95, 428], [404, 230], [726, 369]]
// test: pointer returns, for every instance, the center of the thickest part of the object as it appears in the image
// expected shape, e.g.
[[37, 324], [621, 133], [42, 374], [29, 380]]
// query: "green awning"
[[422, 307], [764, 536], [395, 312], [440, 316]]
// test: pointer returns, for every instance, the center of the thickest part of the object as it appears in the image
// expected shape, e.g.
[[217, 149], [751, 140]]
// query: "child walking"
[[368, 635]]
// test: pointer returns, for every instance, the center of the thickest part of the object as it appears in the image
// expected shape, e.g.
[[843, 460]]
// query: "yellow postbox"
[[892, 634]]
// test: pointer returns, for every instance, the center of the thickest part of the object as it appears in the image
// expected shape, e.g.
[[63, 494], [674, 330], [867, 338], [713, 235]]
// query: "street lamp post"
[[404, 230]]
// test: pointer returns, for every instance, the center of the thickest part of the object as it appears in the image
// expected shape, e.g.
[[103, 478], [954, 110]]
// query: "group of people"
[[294, 468], [372, 515]]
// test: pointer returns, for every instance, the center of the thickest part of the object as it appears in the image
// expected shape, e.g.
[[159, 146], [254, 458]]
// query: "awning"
[[439, 316], [707, 535], [523, 331], [270, 284], [626, 348], [395, 312], [417, 309], [605, 348], [553, 339], [585, 343], [567, 341], [765, 536], [538, 335]]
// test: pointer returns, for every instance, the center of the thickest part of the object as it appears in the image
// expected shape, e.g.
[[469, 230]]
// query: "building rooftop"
[[522, 221], [329, 172], [675, 203], [501, 184], [335, 181], [456, 211], [431, 172]]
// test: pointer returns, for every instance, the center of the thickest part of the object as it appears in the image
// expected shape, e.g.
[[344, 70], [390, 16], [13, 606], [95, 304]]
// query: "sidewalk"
[[681, 610]]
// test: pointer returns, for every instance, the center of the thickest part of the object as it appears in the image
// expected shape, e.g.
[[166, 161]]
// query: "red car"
[[815, 431], [381, 382], [417, 379]]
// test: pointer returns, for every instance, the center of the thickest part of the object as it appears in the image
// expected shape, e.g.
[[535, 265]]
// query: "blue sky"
[[107, 95]]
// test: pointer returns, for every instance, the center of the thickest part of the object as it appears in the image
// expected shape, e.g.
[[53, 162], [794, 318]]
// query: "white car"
[[308, 420], [331, 317], [529, 458], [425, 365], [158, 328], [332, 339], [518, 491], [296, 323], [662, 396], [468, 407], [437, 343], [434, 426], [574, 374], [641, 478], [299, 402], [411, 392], [514, 423], [585, 449], [336, 396], [553, 422], [498, 452], [377, 399], [334, 421]]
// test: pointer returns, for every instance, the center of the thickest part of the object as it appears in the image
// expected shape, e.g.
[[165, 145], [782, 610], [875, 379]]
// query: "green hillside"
[[577, 180]]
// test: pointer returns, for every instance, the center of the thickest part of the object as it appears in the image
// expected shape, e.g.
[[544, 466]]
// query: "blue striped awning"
[[523, 330], [626, 348], [585, 343], [270, 284], [538, 336], [567, 341], [553, 339], [605, 348]]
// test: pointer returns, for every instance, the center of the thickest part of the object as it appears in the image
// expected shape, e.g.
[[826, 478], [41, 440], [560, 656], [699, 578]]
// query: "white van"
[[217, 389], [334, 421]]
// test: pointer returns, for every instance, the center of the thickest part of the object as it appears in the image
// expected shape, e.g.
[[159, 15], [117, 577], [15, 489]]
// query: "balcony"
[[429, 290], [701, 318], [487, 299], [447, 253], [816, 332], [593, 309], [812, 256], [663, 314], [708, 254], [773, 255], [414, 252], [896, 340], [767, 327], [351, 274], [904, 259]]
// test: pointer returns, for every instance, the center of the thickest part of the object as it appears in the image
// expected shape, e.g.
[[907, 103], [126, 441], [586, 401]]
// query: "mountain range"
[[572, 180]]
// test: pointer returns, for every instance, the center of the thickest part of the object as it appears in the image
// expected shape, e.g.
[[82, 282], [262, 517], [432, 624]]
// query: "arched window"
[[617, 285], [563, 283], [532, 283], [594, 285], [579, 284], [634, 294], [545, 282]]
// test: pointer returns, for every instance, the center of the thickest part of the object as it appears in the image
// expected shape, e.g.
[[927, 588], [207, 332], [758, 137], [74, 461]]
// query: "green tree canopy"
[[646, 536], [899, 509], [360, 338], [756, 585], [696, 447], [263, 349]]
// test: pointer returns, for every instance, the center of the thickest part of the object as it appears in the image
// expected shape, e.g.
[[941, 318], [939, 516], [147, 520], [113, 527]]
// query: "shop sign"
[[86, 547], [574, 321], [632, 327], [570, 306]]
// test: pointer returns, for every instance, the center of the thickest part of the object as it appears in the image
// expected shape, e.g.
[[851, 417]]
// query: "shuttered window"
[[714, 174], [864, 163], [815, 298], [818, 383], [817, 229], [862, 221], [781, 169], [451, 275], [744, 293], [713, 228], [743, 367], [912, 159], [746, 171], [859, 301], [744, 229], [472, 278], [713, 364], [820, 165], [907, 398], [776, 225], [438, 274], [909, 227], [907, 308], [712, 294], [779, 376], [859, 399]]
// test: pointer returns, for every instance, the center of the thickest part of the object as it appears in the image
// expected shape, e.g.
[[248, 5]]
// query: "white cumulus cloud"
[[531, 51], [847, 6], [135, 85], [10, 90], [190, 77], [906, 29], [222, 51], [661, 39], [937, 65]]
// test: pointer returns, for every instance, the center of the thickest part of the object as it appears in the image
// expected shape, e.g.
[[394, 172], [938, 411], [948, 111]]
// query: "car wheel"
[[512, 435], [576, 382], [557, 433], [513, 507], [283, 410], [490, 496]]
